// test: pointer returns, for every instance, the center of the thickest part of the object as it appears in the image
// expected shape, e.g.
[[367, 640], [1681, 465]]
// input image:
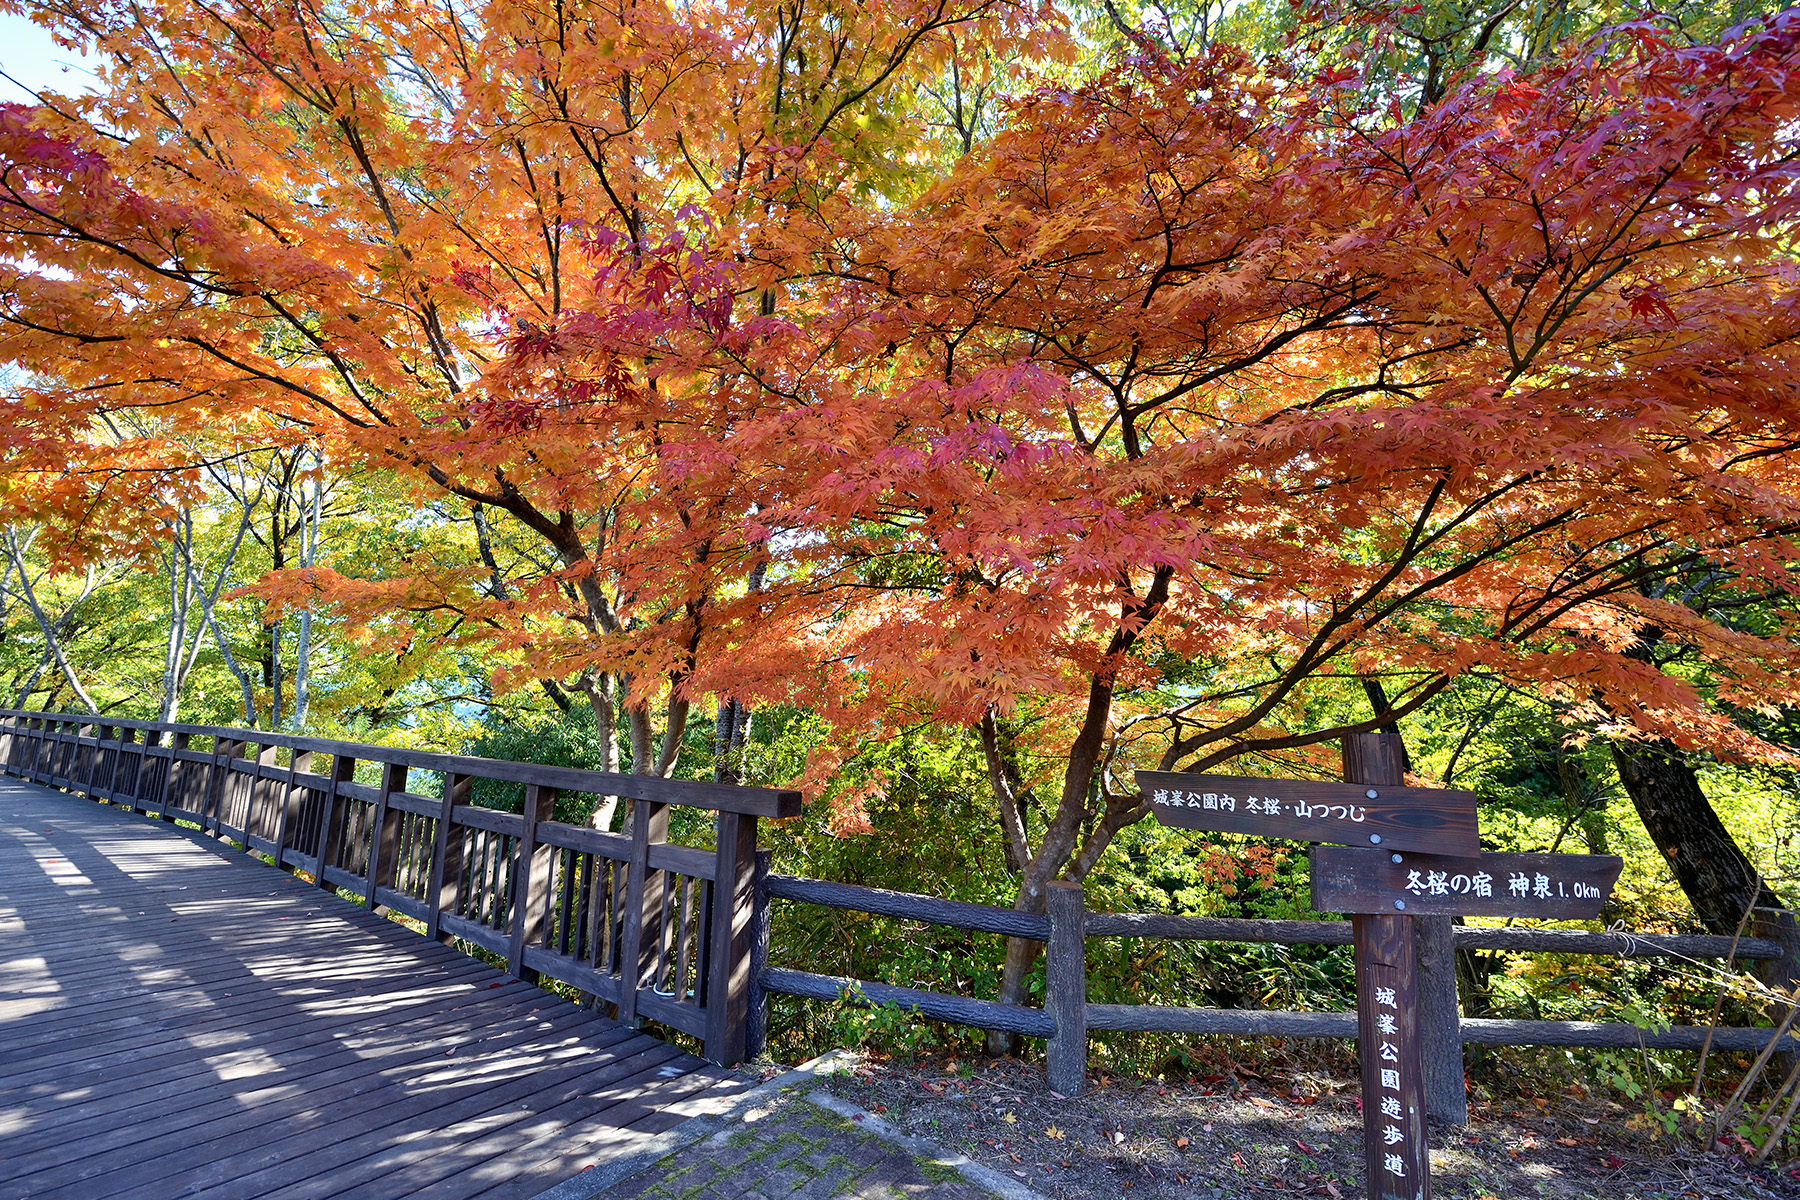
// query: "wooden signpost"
[[1393, 853], [1387, 1040]]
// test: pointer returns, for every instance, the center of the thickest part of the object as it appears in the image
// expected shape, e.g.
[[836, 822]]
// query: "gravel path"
[[1243, 1137]]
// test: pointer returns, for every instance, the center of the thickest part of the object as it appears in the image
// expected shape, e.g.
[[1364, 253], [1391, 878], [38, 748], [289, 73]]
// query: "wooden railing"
[[680, 934], [1067, 1016], [662, 931]]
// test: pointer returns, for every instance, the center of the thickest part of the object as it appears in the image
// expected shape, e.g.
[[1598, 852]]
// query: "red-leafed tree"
[[1205, 387], [508, 252]]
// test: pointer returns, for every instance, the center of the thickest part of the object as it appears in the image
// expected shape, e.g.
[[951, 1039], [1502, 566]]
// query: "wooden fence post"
[[1065, 965], [1782, 927], [531, 881], [728, 958], [1440, 1023], [331, 820], [756, 1021], [127, 795], [92, 783], [384, 834], [152, 780], [218, 792], [643, 905], [180, 772], [260, 805], [287, 814], [447, 858], [85, 756]]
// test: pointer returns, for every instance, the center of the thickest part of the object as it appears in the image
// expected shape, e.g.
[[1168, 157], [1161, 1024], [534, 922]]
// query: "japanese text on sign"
[[1391, 1133], [1272, 806]]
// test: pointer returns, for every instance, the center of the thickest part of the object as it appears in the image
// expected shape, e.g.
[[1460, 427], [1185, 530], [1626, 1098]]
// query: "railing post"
[[384, 834], [262, 792], [142, 783], [116, 770], [756, 1021], [59, 754], [84, 759], [643, 905], [331, 817], [180, 771], [218, 783], [447, 857], [531, 881], [1065, 966], [728, 959], [40, 727], [287, 815]]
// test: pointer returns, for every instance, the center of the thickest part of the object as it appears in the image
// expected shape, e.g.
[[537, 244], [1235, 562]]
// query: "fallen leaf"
[[1206, 1128], [1567, 1141], [1009, 1118], [1055, 1134], [1181, 1143]]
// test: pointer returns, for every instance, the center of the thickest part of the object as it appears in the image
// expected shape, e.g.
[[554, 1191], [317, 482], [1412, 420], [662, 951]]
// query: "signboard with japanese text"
[[1562, 887], [1433, 820], [1387, 1032]]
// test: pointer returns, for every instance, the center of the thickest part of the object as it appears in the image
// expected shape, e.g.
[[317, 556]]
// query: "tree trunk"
[[1714, 873]]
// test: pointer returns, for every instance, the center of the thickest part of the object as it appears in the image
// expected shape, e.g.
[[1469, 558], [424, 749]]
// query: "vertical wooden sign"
[[1387, 1016], [1387, 1030]]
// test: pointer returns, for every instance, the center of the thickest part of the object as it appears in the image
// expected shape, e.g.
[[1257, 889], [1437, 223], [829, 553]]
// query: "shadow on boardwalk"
[[177, 1019]]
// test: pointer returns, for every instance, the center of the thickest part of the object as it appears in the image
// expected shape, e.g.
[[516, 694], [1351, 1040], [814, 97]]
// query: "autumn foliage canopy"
[[1197, 389]]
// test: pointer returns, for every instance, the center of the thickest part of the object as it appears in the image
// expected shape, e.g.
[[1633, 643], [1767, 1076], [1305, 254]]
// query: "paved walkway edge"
[[974, 1172], [596, 1180]]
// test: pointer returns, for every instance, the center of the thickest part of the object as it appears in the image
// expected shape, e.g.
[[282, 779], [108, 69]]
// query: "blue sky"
[[29, 56]]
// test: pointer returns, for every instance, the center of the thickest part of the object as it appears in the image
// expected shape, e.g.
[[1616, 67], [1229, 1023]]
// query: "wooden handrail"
[[775, 803], [659, 930]]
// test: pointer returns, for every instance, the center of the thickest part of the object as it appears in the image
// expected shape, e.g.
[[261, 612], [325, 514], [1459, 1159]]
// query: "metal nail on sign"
[[1565, 887], [1431, 820]]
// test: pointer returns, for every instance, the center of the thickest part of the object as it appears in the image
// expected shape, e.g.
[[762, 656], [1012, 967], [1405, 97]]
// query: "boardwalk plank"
[[329, 1080], [181, 1020], [158, 1030]]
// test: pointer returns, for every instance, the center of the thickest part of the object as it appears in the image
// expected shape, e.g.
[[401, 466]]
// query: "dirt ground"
[[1235, 1136]]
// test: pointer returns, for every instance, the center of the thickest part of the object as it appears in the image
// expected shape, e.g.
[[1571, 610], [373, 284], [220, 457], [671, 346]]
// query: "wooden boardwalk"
[[180, 1022]]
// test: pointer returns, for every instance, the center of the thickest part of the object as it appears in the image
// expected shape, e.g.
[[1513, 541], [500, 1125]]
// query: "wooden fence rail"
[[662, 931], [1067, 1016]]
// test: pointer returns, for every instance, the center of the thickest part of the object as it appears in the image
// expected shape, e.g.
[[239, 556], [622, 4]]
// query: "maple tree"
[[507, 252], [1207, 389]]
